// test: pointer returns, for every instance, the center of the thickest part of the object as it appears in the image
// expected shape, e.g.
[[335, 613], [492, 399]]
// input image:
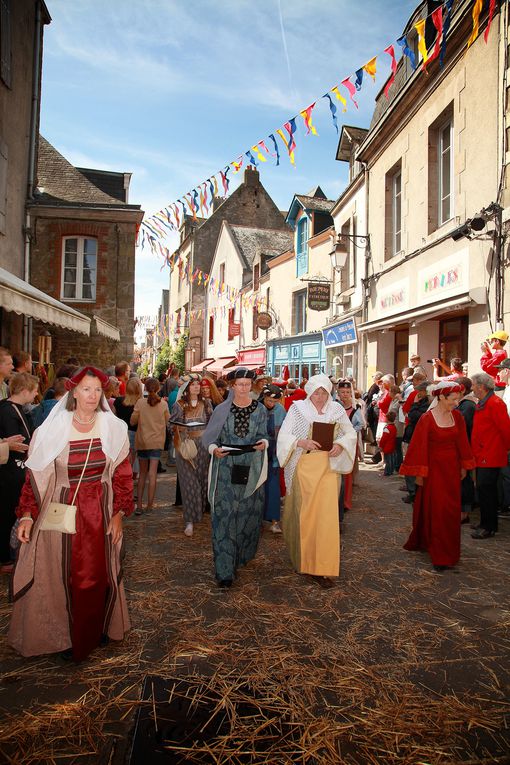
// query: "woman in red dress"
[[439, 456], [67, 588]]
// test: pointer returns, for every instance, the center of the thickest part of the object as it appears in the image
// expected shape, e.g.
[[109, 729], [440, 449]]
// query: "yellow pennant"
[[371, 67], [420, 28], [339, 97]]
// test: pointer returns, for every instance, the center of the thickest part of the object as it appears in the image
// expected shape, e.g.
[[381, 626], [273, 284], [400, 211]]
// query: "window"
[[178, 322], [222, 273], [211, 330], [302, 246], [255, 331], [445, 173], [441, 188], [393, 211], [345, 273], [299, 312], [5, 42], [79, 268], [453, 339], [232, 329], [256, 277], [397, 212]]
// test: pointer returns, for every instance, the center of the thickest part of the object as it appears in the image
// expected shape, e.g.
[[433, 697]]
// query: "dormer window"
[[302, 246]]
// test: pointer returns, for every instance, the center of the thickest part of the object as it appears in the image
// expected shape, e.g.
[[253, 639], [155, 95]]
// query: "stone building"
[[249, 205], [83, 233]]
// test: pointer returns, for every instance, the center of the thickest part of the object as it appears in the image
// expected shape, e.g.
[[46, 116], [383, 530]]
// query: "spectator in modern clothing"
[[490, 442], [123, 407], [388, 444], [22, 362], [415, 363], [399, 422], [493, 353], [372, 413], [122, 371], [453, 372], [151, 415], [6, 367], [39, 413]]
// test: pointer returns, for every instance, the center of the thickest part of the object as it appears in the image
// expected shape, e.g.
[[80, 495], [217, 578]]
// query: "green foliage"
[[143, 370], [178, 355], [163, 359]]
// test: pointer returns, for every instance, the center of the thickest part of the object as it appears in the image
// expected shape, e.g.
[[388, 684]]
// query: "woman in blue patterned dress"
[[236, 438]]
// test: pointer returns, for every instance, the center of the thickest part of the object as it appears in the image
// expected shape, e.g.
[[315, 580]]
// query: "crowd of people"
[[82, 451]]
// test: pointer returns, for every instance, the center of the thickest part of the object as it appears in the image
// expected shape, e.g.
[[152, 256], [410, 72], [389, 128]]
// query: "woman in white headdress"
[[67, 587], [312, 478]]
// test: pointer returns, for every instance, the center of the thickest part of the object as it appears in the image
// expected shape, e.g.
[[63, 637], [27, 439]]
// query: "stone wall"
[[114, 289]]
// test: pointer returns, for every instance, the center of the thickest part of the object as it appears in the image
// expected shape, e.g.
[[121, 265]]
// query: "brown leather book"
[[323, 433]]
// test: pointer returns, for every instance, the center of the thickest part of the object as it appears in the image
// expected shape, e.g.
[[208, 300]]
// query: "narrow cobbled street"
[[396, 664]]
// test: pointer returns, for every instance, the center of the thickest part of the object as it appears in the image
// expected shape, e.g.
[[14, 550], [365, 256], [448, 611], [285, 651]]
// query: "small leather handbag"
[[61, 517]]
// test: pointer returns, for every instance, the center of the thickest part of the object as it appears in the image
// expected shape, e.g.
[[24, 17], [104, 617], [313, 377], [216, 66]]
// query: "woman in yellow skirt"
[[312, 478]]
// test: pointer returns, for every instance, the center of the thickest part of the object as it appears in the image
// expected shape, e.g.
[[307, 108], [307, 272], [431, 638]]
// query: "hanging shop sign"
[[234, 329], [343, 333], [319, 296], [264, 320]]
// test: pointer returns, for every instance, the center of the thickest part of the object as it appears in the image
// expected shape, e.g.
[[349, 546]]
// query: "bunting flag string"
[[477, 9], [164, 223]]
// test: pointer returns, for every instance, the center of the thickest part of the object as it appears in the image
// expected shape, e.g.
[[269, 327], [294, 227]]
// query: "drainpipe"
[[36, 97]]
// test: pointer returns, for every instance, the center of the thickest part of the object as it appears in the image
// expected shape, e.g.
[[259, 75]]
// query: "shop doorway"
[[453, 339], [401, 358]]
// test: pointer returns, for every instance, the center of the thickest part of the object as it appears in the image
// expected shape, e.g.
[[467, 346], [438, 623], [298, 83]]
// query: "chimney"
[[251, 176]]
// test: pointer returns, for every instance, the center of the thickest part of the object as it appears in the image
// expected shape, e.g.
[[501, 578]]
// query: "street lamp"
[[339, 254]]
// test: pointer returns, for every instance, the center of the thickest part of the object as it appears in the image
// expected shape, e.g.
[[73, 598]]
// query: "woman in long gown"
[[439, 456], [312, 478], [236, 476], [67, 588], [189, 417]]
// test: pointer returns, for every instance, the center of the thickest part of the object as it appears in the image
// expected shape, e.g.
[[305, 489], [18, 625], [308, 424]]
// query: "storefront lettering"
[[443, 279], [396, 298]]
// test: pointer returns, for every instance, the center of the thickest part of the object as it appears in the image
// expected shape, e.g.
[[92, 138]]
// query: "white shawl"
[[53, 435], [297, 424]]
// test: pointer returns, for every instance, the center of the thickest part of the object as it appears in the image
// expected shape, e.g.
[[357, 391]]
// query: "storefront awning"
[[201, 365], [102, 327], [419, 314], [21, 297], [220, 364], [248, 366]]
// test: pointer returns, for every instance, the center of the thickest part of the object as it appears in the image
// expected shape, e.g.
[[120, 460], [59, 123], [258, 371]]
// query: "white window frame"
[[79, 270], [440, 151], [396, 201]]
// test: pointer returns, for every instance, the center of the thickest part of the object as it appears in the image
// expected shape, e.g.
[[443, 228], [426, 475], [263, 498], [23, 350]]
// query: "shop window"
[[440, 170], [453, 339], [299, 312], [302, 246], [211, 330], [79, 269], [393, 211]]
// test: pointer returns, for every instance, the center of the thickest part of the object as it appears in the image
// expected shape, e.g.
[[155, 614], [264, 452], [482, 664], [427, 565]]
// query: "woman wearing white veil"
[[67, 588], [312, 477]]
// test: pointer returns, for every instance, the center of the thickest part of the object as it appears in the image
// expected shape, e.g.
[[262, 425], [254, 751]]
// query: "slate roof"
[[63, 184], [317, 204], [260, 241], [106, 180]]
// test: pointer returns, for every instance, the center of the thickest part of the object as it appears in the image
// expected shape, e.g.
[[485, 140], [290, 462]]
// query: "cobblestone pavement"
[[395, 664]]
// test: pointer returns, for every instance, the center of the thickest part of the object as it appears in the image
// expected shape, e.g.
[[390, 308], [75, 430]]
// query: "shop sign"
[[343, 333], [264, 320], [281, 353], [234, 329], [319, 296], [449, 277], [311, 350], [393, 299], [256, 356]]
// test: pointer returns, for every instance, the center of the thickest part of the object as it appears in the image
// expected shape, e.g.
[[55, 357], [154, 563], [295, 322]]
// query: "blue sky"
[[173, 90]]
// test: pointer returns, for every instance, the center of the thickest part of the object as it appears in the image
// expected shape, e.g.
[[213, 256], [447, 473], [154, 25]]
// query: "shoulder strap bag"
[[61, 517]]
